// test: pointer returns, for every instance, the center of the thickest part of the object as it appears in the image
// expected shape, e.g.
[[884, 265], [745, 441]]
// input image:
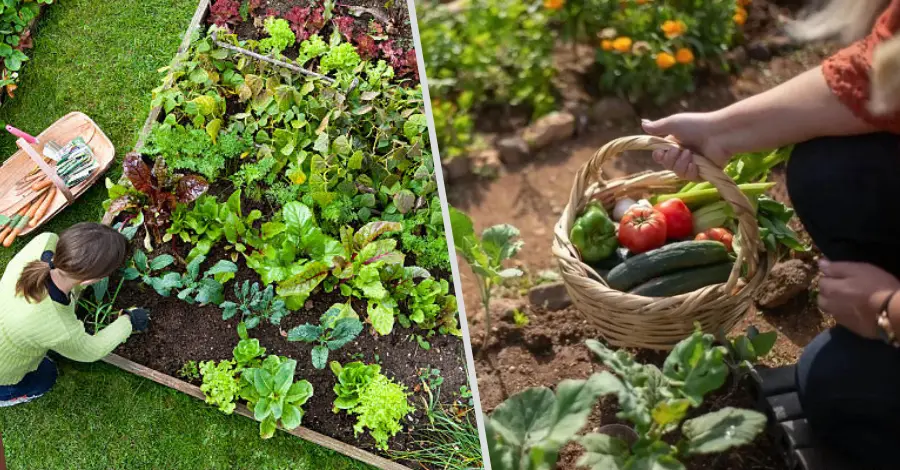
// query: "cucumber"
[[618, 257], [682, 282], [664, 260]]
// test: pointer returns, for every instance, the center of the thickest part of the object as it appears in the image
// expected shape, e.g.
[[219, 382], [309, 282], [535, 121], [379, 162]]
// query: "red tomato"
[[679, 221], [642, 229], [719, 235]]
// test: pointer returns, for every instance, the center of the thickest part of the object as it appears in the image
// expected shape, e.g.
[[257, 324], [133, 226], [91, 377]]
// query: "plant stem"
[[486, 303]]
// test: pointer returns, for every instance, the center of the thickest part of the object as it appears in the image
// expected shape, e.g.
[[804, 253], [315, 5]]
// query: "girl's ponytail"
[[32, 283]]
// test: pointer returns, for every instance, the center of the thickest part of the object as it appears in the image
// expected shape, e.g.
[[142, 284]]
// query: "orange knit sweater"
[[847, 72]]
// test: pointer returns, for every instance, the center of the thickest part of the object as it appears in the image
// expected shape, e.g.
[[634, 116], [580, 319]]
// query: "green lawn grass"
[[101, 57], [98, 417]]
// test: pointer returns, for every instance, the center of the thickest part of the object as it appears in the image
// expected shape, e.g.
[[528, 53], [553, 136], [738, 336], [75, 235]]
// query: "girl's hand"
[[693, 131], [853, 293]]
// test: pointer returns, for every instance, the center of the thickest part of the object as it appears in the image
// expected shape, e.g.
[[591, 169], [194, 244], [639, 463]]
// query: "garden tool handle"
[[21, 134]]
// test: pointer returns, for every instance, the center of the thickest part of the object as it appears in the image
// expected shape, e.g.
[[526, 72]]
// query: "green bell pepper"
[[594, 234]]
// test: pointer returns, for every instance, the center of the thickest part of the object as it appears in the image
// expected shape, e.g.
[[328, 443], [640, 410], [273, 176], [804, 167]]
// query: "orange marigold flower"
[[740, 18], [673, 29], [684, 56], [622, 44], [606, 45], [554, 4], [664, 60]]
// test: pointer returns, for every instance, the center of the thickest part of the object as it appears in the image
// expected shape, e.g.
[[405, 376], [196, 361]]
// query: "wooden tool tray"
[[22, 163]]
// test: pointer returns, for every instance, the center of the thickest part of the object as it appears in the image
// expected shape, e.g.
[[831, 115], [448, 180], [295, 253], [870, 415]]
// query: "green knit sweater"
[[29, 330]]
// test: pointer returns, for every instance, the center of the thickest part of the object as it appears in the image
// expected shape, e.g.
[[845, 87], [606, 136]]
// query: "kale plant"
[[254, 305], [338, 326], [143, 269], [194, 288]]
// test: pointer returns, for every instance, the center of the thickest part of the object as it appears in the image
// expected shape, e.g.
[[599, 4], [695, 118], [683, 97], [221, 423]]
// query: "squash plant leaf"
[[722, 430], [603, 452]]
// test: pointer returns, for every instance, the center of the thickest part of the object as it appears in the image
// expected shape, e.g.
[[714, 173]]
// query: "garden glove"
[[140, 319]]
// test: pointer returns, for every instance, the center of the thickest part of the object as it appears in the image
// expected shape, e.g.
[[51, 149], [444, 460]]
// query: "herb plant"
[[143, 269], [338, 326], [486, 256], [273, 395], [254, 305]]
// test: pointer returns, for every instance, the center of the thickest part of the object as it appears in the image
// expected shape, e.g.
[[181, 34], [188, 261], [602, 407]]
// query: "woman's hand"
[[694, 132], [853, 293]]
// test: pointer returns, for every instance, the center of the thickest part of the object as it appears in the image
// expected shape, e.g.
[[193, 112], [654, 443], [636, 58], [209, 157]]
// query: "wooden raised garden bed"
[[182, 332]]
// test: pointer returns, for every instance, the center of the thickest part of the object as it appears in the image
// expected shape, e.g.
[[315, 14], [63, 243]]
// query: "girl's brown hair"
[[85, 251]]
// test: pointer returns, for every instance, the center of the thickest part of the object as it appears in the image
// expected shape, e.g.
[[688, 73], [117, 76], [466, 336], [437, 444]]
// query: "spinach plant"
[[273, 395], [379, 403], [254, 305], [338, 326], [142, 268], [208, 222], [194, 288], [486, 255]]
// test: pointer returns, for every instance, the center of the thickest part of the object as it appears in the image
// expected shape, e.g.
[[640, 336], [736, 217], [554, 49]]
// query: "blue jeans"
[[844, 190], [33, 385]]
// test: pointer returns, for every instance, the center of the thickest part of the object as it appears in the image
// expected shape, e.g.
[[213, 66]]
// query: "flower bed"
[[288, 238], [16, 20]]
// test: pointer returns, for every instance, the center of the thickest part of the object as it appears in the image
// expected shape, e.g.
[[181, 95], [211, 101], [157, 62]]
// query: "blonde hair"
[[85, 251], [843, 20]]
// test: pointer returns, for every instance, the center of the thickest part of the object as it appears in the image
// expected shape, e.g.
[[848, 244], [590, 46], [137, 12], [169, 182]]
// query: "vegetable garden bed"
[[322, 190]]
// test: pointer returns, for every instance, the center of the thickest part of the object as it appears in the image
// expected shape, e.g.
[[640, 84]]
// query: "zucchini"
[[682, 282], [669, 258]]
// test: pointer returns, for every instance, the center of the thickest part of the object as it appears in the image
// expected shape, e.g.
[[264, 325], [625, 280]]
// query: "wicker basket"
[[628, 320]]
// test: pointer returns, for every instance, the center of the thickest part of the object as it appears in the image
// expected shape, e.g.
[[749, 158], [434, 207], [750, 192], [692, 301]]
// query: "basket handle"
[[744, 211], [39, 160]]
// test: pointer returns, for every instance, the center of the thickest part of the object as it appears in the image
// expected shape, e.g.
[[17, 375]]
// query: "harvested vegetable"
[[679, 221], [622, 207], [773, 218], [642, 229], [700, 197], [682, 282], [718, 234], [594, 234], [670, 258]]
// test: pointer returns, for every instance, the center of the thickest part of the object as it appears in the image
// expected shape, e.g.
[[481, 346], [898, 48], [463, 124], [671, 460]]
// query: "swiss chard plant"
[[485, 256], [358, 271], [379, 403], [208, 222], [295, 253], [338, 326], [254, 305], [273, 395]]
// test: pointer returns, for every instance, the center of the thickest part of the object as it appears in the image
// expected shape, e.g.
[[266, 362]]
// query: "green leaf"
[[209, 292], [373, 230], [267, 428], [319, 356], [206, 105], [285, 376], [404, 200], [670, 412], [721, 430], [212, 128], [346, 330], [161, 262], [603, 452], [291, 417], [498, 242], [764, 342], [341, 145], [381, 317], [140, 261], [199, 76], [300, 286], [336, 313], [307, 333], [697, 365]]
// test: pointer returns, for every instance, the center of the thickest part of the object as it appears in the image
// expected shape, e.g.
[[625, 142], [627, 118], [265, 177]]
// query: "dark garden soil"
[[532, 195], [181, 332]]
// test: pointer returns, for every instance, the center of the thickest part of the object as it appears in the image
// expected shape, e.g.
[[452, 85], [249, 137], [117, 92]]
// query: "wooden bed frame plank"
[[130, 366], [301, 432]]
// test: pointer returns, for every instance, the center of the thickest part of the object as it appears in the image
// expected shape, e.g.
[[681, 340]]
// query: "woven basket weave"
[[628, 320]]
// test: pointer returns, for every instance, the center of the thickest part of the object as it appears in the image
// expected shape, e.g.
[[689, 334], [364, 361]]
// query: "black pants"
[[845, 190]]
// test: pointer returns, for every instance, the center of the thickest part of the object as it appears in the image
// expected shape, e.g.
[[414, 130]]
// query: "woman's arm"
[[83, 347], [797, 110]]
